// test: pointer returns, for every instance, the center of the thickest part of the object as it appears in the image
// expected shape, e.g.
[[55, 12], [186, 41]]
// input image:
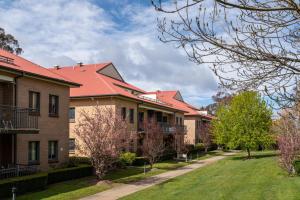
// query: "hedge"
[[140, 161], [66, 174], [297, 166], [23, 184]]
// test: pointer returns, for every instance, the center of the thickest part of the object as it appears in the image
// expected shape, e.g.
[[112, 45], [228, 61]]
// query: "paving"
[[123, 190]]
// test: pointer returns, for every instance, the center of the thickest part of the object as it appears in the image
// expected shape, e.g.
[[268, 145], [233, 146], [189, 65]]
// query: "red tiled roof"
[[169, 97], [96, 84], [20, 64]]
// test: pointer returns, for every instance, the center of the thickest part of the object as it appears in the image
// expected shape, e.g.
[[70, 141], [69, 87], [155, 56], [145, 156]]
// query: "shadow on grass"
[[60, 188], [255, 156]]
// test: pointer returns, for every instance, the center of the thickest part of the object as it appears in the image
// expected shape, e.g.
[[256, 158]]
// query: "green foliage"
[[127, 158], [140, 161], [244, 123], [66, 174], [76, 160], [199, 146], [297, 166], [9, 43], [23, 184]]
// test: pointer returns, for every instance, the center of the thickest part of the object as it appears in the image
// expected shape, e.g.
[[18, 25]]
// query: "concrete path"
[[126, 189]]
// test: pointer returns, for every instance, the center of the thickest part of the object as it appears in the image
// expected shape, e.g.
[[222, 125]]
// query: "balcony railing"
[[14, 118], [172, 129], [17, 170], [166, 128]]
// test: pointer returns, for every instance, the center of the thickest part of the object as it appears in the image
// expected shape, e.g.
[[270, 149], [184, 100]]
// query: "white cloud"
[[68, 31]]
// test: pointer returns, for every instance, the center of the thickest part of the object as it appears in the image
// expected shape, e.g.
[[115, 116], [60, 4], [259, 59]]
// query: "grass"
[[232, 178], [79, 188], [73, 189]]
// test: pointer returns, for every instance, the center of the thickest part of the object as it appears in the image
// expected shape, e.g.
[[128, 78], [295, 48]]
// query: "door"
[[5, 150]]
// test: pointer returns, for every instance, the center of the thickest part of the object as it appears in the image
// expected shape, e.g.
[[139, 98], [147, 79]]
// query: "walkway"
[[127, 189]]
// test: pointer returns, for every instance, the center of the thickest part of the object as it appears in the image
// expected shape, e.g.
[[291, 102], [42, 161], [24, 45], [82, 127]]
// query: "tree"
[[9, 43], [153, 145], [102, 135], [205, 135], [244, 123], [249, 44], [288, 130], [221, 98]]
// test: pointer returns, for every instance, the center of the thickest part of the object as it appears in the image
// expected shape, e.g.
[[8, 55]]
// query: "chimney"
[[56, 67], [80, 64]]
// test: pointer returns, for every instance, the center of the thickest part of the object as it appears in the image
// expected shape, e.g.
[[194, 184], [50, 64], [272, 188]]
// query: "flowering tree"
[[288, 128], [153, 145], [205, 135], [103, 135]]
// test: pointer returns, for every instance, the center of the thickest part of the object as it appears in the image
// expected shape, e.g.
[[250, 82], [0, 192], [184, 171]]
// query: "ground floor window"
[[52, 150], [72, 145], [34, 152]]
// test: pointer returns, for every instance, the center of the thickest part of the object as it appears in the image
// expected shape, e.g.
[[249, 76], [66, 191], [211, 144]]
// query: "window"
[[150, 114], [34, 152], [53, 106], [52, 151], [131, 116], [72, 114], [159, 116], [177, 120], [165, 119], [72, 145], [123, 113], [34, 102], [180, 120]]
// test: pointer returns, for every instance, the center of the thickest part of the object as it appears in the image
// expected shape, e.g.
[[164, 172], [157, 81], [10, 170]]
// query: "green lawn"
[[232, 178], [68, 190], [76, 189]]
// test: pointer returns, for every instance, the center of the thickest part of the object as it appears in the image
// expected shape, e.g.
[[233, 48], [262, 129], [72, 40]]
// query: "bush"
[[75, 161], [297, 166], [140, 161], [127, 158], [200, 147], [66, 174], [23, 184]]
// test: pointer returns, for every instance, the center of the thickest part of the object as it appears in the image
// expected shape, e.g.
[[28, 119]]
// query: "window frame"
[[123, 113], [37, 110], [50, 158], [74, 144], [56, 99], [131, 115], [37, 160], [72, 120]]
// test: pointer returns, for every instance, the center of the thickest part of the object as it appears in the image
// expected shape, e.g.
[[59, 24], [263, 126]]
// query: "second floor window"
[[53, 105], [123, 113], [34, 102], [72, 114], [131, 116]]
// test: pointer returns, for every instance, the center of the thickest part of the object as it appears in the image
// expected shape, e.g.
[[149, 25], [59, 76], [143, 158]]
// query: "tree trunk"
[[248, 151], [206, 148]]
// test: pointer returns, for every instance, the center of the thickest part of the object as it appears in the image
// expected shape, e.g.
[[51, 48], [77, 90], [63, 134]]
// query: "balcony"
[[172, 129], [17, 120]]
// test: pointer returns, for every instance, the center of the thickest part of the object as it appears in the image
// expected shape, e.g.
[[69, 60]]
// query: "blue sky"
[[65, 32]]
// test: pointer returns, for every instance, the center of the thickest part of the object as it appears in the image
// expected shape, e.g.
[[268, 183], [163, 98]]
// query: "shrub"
[[127, 158], [65, 174], [76, 160], [140, 161], [23, 184], [200, 147], [297, 166]]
